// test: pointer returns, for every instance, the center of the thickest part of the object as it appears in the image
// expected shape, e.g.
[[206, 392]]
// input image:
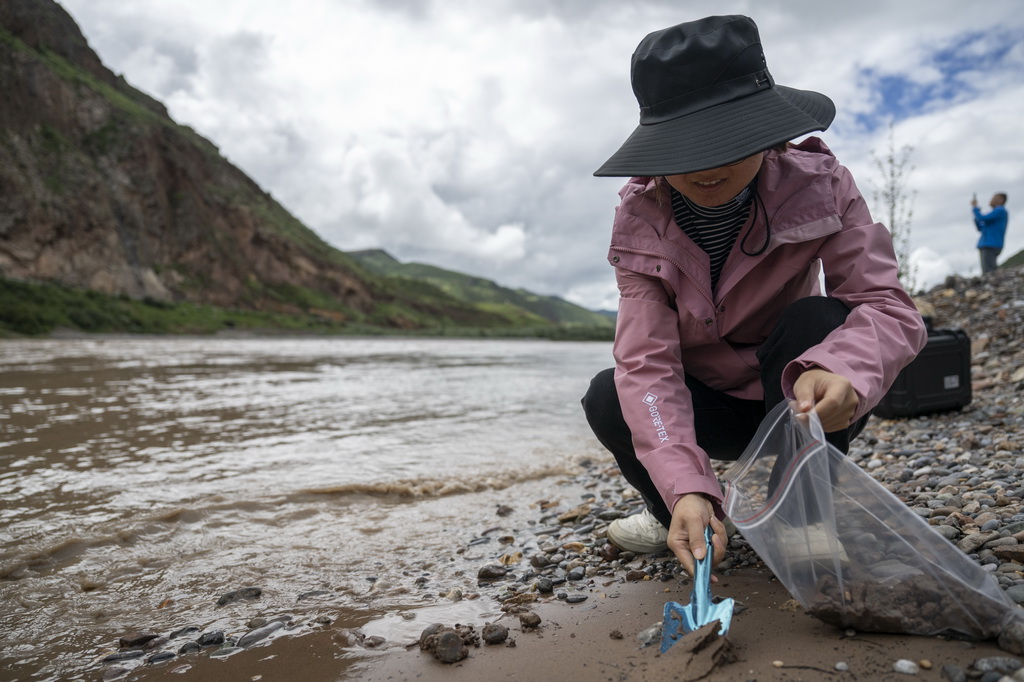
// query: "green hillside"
[[518, 305], [1014, 260]]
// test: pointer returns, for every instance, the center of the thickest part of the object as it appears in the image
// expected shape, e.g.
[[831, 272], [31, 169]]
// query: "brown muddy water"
[[143, 478]]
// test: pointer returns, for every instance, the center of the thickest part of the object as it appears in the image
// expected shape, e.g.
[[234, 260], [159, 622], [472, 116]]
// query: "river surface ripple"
[[141, 478]]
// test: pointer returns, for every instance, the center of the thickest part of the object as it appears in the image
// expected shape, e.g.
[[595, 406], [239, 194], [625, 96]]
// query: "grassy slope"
[[485, 292], [39, 309]]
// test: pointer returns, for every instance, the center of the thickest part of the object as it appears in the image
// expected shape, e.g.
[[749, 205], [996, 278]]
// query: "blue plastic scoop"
[[680, 620]]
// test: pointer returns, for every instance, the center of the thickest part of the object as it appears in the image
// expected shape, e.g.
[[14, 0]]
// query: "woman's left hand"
[[830, 395]]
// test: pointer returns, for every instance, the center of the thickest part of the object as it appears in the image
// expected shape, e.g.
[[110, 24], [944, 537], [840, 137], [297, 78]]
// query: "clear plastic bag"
[[846, 548]]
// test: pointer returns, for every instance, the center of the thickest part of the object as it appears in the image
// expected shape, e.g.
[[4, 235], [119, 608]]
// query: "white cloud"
[[929, 266], [465, 134]]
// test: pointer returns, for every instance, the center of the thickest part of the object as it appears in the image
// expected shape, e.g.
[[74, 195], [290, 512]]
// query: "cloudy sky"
[[465, 134]]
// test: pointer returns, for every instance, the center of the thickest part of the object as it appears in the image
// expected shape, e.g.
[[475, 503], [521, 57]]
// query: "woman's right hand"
[[690, 516]]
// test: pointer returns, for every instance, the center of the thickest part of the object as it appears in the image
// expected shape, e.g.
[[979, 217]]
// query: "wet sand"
[[772, 639]]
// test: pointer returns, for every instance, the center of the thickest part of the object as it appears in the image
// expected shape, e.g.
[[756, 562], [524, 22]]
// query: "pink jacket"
[[670, 322]]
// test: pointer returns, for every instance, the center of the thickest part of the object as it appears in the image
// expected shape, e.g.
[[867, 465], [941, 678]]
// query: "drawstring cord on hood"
[[767, 223]]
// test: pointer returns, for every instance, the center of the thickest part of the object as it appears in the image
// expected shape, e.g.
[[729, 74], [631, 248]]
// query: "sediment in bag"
[[916, 605], [852, 553]]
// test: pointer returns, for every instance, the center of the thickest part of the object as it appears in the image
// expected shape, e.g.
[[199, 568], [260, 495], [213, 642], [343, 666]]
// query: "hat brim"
[[720, 135]]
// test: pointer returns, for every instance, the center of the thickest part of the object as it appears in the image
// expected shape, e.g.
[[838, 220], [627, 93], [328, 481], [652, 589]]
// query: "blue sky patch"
[[900, 96]]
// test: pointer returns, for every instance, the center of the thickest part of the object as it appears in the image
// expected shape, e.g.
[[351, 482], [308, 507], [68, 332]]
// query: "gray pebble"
[[161, 656], [238, 595], [492, 572], [1016, 593], [953, 673], [215, 638], [253, 636], [540, 560], [948, 532], [189, 648], [999, 664], [529, 620], [494, 633], [187, 630], [1011, 639], [431, 629], [136, 639]]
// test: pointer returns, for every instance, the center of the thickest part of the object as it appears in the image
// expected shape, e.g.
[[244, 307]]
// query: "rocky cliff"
[[100, 189]]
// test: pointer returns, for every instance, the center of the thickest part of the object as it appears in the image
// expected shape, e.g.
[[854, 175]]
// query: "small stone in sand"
[[494, 633], [953, 673], [449, 648], [1011, 638], [529, 620], [447, 644]]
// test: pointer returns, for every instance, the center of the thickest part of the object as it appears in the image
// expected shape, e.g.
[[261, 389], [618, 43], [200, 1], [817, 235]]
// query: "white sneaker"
[[641, 533]]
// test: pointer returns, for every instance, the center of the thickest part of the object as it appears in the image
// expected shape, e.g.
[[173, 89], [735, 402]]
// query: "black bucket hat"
[[707, 100]]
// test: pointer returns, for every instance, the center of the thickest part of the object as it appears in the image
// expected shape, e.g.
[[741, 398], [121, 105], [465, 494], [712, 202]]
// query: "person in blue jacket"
[[992, 226]]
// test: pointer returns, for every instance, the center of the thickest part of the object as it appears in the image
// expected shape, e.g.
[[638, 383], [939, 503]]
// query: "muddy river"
[[143, 478]]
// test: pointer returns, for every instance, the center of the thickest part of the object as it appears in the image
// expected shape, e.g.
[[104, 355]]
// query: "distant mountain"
[[519, 305], [107, 204]]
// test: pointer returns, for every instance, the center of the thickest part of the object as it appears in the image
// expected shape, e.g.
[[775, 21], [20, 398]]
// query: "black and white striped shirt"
[[713, 229]]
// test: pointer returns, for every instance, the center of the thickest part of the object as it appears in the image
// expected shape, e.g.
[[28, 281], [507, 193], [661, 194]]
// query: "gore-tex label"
[[659, 426]]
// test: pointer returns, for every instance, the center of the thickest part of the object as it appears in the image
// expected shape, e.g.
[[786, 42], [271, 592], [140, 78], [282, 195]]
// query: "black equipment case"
[[937, 380]]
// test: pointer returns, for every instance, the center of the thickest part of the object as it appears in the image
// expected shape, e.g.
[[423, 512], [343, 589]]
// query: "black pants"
[[724, 425]]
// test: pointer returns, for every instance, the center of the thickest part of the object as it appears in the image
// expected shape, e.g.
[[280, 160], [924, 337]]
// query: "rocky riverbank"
[[960, 471]]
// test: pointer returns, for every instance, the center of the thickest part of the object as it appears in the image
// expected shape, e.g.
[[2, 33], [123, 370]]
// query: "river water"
[[143, 478]]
